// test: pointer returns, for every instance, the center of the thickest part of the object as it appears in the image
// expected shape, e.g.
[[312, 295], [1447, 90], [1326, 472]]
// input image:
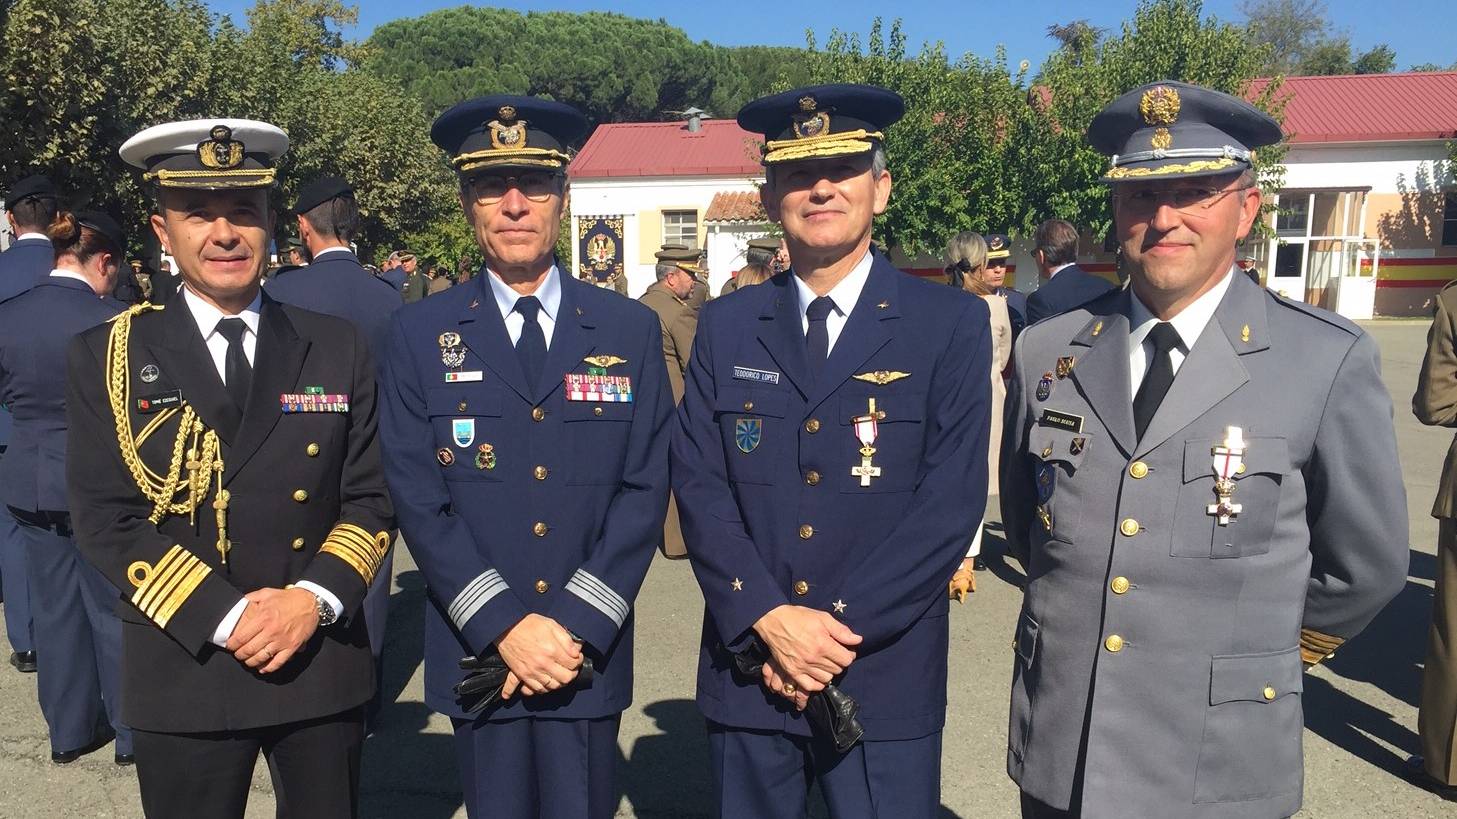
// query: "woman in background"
[[966, 258]]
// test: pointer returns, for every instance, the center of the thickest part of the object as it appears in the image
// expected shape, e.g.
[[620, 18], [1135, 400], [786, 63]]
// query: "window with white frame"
[[680, 227]]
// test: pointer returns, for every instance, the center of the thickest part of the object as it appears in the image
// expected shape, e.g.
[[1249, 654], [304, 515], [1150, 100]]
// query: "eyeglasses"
[[1192, 200], [536, 186]]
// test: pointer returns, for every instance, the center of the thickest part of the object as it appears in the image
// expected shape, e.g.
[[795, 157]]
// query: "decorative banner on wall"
[[599, 245]]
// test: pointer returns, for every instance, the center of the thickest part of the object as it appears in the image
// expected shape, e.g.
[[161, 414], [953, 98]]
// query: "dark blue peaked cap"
[[33, 185], [507, 130], [1171, 129], [822, 120]]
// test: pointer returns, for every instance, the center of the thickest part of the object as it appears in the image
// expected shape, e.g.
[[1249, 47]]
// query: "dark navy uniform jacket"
[[1071, 287], [1016, 308], [35, 329], [772, 514], [564, 516], [296, 481], [395, 277], [24, 265], [337, 285]]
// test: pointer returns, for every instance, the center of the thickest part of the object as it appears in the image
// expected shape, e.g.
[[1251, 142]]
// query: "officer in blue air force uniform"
[[525, 421], [30, 205], [336, 284], [79, 680], [1201, 480], [829, 458]]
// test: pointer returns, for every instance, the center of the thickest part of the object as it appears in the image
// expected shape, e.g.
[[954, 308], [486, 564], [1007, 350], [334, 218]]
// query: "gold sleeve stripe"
[[178, 579], [1315, 646], [184, 590], [159, 576], [352, 544]]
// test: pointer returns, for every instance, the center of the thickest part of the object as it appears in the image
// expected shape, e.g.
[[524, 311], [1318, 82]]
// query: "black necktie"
[[237, 372], [531, 347], [1157, 378], [818, 336]]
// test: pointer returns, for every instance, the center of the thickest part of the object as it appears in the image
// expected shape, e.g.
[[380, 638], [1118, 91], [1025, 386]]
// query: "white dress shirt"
[[549, 293], [207, 317], [334, 249], [1189, 324], [33, 235], [844, 295]]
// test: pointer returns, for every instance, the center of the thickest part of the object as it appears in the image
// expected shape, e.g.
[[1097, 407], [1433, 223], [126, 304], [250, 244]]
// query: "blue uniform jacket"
[[1071, 287], [560, 516], [395, 277], [24, 265], [36, 327], [337, 285], [771, 513], [1016, 309]]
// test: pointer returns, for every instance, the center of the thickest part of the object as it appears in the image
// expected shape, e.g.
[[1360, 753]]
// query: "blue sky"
[[1420, 31]]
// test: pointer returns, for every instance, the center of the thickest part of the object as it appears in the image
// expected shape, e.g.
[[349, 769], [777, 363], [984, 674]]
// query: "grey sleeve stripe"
[[476, 594], [603, 590], [596, 594]]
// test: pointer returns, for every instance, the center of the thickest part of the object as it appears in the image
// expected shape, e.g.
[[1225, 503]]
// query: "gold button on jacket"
[[298, 544], [1269, 692], [300, 495], [801, 588], [1120, 585], [542, 586], [312, 450], [540, 473], [539, 529], [806, 532], [812, 478], [537, 413], [1114, 643], [1128, 527], [812, 426], [1138, 469]]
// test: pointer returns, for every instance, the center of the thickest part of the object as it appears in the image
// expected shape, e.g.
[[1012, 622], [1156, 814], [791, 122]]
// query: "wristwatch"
[[327, 615]]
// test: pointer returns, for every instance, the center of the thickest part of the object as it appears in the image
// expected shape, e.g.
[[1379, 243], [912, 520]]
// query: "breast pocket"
[[1057, 455], [747, 419], [597, 432], [468, 426], [1257, 482], [1251, 744]]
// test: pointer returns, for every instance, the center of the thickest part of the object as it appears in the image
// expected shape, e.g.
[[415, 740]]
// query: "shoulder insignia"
[[604, 361], [882, 377]]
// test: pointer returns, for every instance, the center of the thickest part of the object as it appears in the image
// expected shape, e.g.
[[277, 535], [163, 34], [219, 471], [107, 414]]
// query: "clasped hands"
[[542, 656], [275, 624], [807, 650]]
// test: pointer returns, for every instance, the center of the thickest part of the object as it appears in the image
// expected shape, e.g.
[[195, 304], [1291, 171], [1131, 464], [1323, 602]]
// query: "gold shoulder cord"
[[204, 458]]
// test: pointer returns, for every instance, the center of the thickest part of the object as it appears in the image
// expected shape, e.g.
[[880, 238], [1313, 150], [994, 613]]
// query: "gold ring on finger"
[[790, 689]]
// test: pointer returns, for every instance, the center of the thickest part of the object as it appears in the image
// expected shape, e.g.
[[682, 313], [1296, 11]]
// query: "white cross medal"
[[1228, 462], [867, 430]]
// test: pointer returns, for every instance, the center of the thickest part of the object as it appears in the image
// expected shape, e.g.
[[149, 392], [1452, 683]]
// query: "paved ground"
[[1360, 708]]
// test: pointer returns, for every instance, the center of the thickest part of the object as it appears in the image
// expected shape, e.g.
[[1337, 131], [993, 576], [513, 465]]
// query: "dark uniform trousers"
[[14, 585], [570, 761], [307, 502]]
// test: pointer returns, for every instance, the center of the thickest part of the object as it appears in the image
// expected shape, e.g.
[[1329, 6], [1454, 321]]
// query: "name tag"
[[291, 402], [1061, 420], [159, 401], [600, 388], [757, 376], [466, 375]]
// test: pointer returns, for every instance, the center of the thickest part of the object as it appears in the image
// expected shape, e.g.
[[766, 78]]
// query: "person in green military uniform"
[[669, 297], [416, 285], [762, 251]]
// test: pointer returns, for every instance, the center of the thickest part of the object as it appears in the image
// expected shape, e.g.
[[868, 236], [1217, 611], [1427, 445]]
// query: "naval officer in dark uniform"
[[224, 474], [1201, 479], [336, 284], [524, 425], [830, 464], [79, 681]]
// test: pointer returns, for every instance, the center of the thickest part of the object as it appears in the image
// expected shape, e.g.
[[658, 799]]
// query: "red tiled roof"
[[735, 206], [1368, 107], [719, 148]]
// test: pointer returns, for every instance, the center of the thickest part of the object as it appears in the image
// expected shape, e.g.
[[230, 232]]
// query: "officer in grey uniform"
[[1201, 480]]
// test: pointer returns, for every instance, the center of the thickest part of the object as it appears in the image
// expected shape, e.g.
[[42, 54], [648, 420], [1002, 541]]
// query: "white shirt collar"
[[333, 249], [58, 273], [845, 294], [208, 316], [1189, 323], [1059, 269], [549, 293], [33, 235]]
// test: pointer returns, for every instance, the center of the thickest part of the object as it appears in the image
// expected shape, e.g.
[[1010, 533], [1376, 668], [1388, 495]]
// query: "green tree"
[[1379, 60], [1288, 29]]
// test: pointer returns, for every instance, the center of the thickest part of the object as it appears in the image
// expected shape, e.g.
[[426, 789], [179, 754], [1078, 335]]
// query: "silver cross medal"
[[1228, 462], [866, 429]]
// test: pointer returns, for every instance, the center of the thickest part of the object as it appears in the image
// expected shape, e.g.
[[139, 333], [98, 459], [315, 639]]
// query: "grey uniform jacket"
[[1188, 636]]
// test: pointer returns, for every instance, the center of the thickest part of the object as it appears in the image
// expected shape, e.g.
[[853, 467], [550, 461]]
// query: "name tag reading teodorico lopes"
[[867, 430]]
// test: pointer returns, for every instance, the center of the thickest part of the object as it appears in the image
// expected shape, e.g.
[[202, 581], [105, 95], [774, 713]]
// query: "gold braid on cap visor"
[[250, 178], [842, 143], [544, 157]]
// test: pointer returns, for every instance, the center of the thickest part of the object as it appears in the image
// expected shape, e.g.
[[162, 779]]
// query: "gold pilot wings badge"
[[604, 361], [882, 377]]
